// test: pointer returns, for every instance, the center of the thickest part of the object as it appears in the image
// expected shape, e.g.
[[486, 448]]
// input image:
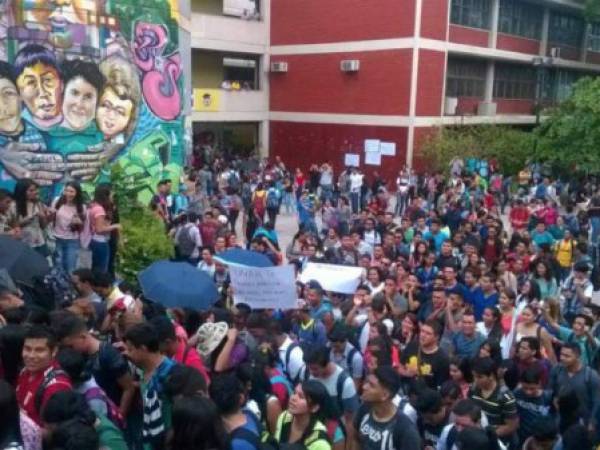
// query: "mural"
[[84, 83]]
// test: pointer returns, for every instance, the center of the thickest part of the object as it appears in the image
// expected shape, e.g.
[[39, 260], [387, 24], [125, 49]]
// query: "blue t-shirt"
[[251, 425], [480, 301], [465, 347]]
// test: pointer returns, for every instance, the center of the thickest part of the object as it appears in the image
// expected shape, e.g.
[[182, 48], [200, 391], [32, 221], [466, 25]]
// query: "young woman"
[[529, 327], [99, 215], [409, 330], [374, 281], [460, 373], [30, 214], [259, 202], [69, 215], [302, 423], [196, 425], [542, 275], [490, 325]]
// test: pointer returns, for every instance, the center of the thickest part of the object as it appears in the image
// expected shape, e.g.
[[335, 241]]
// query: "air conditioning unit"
[[279, 67], [350, 65], [555, 52], [450, 105], [486, 109]]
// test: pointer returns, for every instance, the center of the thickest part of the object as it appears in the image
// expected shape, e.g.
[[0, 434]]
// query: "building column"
[[545, 28], [488, 95], [263, 139], [494, 17], [585, 41]]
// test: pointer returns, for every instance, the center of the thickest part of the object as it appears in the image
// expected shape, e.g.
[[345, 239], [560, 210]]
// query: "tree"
[[510, 147], [569, 138], [144, 239]]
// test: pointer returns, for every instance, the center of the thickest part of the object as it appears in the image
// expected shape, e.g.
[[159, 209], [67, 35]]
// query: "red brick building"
[[421, 64]]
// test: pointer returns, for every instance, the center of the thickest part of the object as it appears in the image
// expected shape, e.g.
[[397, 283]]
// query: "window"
[[566, 30], [520, 18], [513, 81], [465, 78], [594, 37], [471, 13], [565, 79], [241, 71]]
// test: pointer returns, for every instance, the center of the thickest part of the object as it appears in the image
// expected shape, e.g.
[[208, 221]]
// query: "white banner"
[[333, 277], [264, 287]]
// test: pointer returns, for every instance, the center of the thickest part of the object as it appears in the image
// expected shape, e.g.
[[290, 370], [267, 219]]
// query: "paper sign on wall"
[[372, 145], [373, 158], [351, 160], [388, 148], [264, 287]]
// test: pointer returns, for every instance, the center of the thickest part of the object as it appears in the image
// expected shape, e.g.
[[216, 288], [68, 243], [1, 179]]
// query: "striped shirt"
[[157, 408], [498, 407]]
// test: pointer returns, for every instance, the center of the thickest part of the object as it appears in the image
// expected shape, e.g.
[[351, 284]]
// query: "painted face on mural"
[[10, 108], [40, 88], [114, 113], [79, 103]]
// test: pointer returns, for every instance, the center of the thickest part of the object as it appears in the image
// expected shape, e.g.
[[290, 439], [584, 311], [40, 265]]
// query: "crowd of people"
[[474, 325]]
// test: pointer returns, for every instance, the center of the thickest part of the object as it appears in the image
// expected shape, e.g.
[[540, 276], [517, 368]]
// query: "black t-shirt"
[[433, 367], [530, 410], [498, 407], [108, 365], [398, 433], [431, 433]]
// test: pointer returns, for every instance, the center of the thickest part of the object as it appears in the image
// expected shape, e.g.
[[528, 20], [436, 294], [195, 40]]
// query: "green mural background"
[[85, 83]]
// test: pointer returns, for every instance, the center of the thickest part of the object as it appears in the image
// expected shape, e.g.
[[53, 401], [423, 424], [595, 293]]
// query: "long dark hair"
[[316, 394], [20, 195], [10, 431], [102, 197], [78, 200], [197, 425]]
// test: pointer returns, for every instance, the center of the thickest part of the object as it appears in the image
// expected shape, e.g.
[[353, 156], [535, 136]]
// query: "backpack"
[[233, 180], [286, 364], [350, 358], [260, 441], [339, 390], [60, 287], [313, 436], [113, 413], [272, 199], [49, 377], [185, 243]]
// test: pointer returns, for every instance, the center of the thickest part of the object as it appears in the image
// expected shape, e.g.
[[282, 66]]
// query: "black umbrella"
[[21, 261]]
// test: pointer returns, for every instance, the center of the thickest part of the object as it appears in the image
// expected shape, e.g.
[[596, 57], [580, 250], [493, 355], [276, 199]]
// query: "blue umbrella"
[[178, 284], [241, 257]]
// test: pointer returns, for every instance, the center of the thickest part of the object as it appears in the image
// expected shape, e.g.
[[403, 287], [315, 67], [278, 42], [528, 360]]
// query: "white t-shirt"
[[294, 367]]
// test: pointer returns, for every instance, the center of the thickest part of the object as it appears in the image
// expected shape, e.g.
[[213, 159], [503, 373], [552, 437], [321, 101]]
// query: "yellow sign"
[[207, 100]]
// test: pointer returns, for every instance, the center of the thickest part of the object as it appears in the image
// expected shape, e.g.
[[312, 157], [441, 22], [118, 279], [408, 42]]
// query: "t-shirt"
[[351, 355], [251, 426], [431, 433], [530, 410], [398, 433], [349, 398], [466, 347], [498, 407], [62, 222], [94, 213], [432, 367], [107, 366], [109, 435], [480, 301]]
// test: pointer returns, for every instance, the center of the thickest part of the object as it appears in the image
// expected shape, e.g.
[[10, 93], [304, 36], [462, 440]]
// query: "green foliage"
[[592, 10], [143, 236], [509, 146], [569, 139]]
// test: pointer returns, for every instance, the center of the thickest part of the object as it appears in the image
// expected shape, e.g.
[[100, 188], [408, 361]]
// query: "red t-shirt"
[[192, 359], [28, 385]]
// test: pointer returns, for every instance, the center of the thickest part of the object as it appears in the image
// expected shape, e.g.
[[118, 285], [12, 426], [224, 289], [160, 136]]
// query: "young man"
[[433, 416], [533, 403], [291, 356], [320, 306], [577, 290], [379, 424], [142, 348], [109, 367], [580, 334], [495, 400], [243, 427], [177, 349], [336, 380], [346, 355], [41, 377], [425, 358], [117, 303], [465, 414], [584, 381], [466, 342], [83, 279], [484, 295]]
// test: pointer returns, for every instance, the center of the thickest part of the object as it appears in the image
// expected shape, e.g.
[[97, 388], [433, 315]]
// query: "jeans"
[[595, 223], [401, 203], [355, 201], [288, 202], [326, 192], [66, 254], [100, 255]]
